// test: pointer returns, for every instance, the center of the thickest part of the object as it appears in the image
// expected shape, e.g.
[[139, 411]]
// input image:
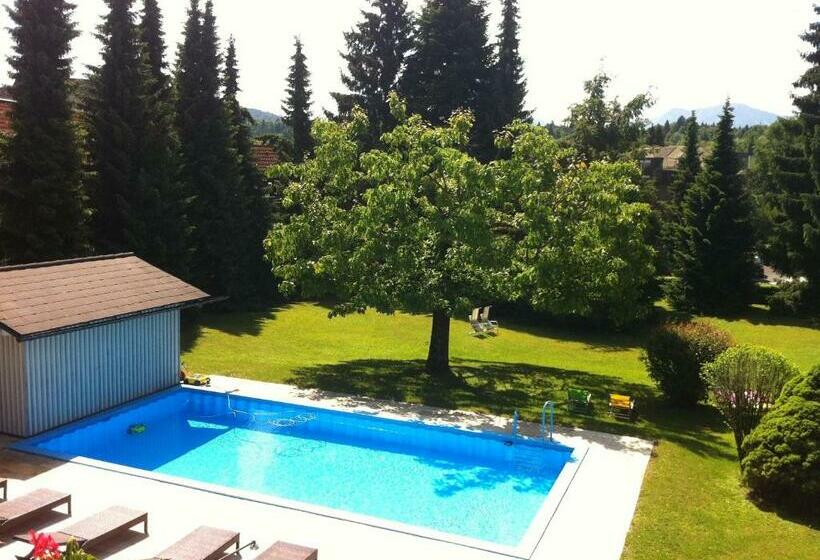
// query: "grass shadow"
[[500, 388], [236, 323]]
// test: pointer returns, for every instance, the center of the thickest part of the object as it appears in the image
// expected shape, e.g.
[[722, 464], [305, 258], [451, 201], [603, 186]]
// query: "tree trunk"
[[438, 355]]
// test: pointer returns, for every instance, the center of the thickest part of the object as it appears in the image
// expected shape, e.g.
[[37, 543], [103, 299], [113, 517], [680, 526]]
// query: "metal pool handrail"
[[544, 419]]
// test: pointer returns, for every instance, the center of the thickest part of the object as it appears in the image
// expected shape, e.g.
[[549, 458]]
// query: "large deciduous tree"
[[581, 246], [715, 257], [42, 214], [451, 68], [115, 112], [375, 57], [606, 129], [296, 106], [402, 228]]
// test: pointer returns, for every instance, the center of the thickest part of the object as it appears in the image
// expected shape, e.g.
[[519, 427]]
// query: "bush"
[[787, 299], [675, 354], [781, 457], [744, 383]]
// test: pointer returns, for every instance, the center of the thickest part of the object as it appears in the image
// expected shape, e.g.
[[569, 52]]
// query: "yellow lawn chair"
[[622, 406]]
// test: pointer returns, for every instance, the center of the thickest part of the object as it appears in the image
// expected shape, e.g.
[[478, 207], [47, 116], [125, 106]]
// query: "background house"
[[84, 335]]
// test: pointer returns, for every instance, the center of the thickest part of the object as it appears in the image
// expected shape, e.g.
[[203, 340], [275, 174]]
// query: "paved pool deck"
[[591, 522]]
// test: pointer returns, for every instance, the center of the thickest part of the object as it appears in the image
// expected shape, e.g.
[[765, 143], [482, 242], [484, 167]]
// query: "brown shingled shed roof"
[[43, 298]]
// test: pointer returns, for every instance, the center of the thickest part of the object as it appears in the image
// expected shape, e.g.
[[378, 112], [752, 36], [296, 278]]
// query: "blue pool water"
[[473, 485]]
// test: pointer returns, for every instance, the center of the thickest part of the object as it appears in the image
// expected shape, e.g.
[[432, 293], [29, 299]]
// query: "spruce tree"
[[115, 111], [296, 107], [208, 163], [376, 51], [42, 214], [804, 199], [164, 197], [509, 82], [252, 204], [451, 68], [689, 164], [715, 257]]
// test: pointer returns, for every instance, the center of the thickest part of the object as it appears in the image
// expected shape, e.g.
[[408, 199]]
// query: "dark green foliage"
[[788, 299], [791, 188], [604, 129], [115, 113], [297, 104], [42, 214], [655, 135], [375, 56], [689, 164], [252, 204], [676, 353], [714, 258], [510, 86], [164, 197], [208, 162], [781, 457], [451, 68]]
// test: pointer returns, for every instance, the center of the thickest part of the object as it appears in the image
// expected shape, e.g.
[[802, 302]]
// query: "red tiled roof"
[[264, 156], [44, 298], [6, 115]]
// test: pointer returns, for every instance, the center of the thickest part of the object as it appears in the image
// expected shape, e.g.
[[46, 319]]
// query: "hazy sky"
[[690, 53]]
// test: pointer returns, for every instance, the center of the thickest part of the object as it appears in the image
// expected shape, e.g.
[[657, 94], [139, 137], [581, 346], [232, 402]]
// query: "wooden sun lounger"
[[287, 551], [102, 526], [204, 543], [19, 510]]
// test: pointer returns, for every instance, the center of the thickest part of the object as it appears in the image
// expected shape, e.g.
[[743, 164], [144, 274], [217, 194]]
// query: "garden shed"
[[83, 335]]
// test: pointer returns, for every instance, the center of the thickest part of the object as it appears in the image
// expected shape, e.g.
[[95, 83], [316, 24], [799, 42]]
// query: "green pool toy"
[[134, 429]]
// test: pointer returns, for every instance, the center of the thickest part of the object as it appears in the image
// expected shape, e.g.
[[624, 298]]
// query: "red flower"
[[44, 546]]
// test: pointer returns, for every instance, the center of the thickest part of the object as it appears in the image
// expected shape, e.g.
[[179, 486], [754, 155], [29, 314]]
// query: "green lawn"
[[691, 506]]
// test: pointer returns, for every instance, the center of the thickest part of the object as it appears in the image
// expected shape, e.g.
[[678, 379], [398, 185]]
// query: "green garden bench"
[[579, 399]]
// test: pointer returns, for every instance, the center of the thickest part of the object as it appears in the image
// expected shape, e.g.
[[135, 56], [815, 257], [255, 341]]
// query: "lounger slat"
[[106, 523], [33, 503], [204, 543], [286, 551]]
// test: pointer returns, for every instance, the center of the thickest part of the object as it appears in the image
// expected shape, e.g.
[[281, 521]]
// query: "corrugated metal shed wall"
[[13, 405], [78, 373]]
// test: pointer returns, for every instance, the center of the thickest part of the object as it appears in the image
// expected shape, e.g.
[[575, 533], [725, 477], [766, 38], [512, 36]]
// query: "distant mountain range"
[[260, 115], [744, 115]]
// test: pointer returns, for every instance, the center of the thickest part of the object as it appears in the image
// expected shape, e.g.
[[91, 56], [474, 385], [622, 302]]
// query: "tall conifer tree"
[[376, 51], [451, 67], [804, 199], [165, 198], [297, 104], [715, 259], [510, 84], [689, 164], [208, 163], [115, 111], [252, 203], [42, 213]]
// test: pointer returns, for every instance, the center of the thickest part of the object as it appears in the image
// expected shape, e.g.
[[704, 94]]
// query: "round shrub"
[[744, 383], [781, 457], [675, 355]]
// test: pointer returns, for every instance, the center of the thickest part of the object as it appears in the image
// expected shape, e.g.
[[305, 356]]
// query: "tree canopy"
[[297, 103], [41, 197]]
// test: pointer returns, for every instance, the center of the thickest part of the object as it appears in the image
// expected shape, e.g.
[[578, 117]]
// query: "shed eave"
[[112, 319]]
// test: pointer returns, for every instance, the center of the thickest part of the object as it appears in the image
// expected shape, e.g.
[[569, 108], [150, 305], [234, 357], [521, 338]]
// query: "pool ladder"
[[551, 406]]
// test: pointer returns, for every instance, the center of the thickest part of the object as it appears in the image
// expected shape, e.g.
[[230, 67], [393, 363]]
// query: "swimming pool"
[[473, 488]]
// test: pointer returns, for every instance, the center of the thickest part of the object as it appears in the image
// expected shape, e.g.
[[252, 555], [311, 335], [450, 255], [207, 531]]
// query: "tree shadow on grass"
[[236, 323], [500, 388]]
